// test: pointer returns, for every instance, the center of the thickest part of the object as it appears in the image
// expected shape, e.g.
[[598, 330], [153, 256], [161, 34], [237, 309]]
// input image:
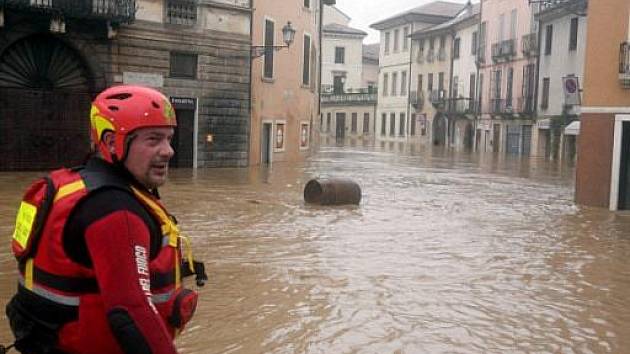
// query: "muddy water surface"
[[447, 253]]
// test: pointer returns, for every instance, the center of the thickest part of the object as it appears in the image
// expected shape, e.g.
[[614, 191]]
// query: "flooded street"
[[447, 253]]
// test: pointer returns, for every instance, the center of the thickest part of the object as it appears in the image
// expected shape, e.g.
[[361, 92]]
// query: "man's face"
[[149, 154]]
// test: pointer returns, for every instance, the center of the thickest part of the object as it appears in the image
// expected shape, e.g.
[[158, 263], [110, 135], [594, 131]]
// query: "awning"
[[573, 128]]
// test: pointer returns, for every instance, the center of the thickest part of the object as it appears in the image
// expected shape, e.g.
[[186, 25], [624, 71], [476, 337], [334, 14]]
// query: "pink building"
[[507, 59]]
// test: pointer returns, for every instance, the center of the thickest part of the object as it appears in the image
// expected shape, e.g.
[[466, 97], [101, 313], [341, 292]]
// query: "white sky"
[[366, 12]]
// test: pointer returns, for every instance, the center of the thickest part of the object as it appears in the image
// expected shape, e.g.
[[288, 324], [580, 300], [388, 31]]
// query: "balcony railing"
[[624, 64], [437, 96], [431, 56], [416, 98], [501, 106], [503, 50], [461, 105], [350, 98], [530, 44], [110, 10]]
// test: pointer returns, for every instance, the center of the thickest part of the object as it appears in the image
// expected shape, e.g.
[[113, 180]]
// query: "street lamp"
[[288, 35]]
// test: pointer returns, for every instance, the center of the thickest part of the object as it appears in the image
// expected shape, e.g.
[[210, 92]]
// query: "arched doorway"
[[45, 95], [439, 130]]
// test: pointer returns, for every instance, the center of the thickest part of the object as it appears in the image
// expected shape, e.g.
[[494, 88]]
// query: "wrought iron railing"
[[110, 10], [501, 106], [529, 43], [461, 105], [504, 49], [350, 98], [437, 96]]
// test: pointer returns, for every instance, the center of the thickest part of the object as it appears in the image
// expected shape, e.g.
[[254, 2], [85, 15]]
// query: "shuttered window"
[[183, 65], [269, 43]]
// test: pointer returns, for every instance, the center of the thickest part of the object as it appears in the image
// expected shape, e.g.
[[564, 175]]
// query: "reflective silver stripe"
[[165, 240], [161, 298], [60, 299]]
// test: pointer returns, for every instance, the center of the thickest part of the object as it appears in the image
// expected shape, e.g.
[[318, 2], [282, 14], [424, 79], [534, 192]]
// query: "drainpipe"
[[450, 93], [409, 76], [536, 85], [478, 87]]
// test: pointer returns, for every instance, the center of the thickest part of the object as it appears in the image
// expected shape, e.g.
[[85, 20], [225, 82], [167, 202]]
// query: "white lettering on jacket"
[[142, 263]]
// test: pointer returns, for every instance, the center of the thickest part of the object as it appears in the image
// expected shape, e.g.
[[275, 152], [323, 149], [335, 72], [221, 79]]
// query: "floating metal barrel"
[[332, 191]]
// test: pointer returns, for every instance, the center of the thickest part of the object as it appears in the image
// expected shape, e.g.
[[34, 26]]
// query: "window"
[[403, 83], [328, 118], [474, 44], [304, 135], [269, 42], [455, 86], [419, 87], [181, 12], [442, 42], [280, 133], [456, 48], [441, 81], [385, 84], [338, 84], [183, 65], [340, 55], [306, 66], [386, 43], [383, 123], [307, 4], [392, 124], [430, 83], [548, 39], [405, 39], [394, 83], [497, 84], [544, 104], [510, 83], [366, 123], [353, 126], [432, 43], [513, 24], [573, 36], [396, 37], [471, 90], [401, 125]]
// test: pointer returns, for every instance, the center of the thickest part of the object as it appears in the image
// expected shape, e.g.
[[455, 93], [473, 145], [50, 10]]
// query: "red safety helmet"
[[123, 109]]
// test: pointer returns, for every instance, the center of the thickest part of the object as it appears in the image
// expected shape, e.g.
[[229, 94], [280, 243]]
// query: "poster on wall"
[[304, 133], [279, 136]]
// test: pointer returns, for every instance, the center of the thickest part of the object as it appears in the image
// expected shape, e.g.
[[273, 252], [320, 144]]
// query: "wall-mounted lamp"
[[288, 34]]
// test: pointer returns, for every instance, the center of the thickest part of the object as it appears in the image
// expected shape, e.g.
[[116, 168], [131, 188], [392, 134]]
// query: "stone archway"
[[45, 95]]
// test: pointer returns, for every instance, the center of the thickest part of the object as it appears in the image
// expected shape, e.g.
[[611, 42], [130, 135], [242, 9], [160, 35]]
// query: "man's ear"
[[109, 140]]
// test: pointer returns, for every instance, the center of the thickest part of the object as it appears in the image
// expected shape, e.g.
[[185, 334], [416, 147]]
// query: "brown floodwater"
[[447, 253]]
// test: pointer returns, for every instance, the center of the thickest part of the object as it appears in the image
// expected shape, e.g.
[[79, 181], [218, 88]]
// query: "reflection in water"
[[448, 252]]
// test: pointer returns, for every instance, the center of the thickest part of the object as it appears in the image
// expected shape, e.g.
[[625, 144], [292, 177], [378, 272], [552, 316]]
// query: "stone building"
[[56, 56]]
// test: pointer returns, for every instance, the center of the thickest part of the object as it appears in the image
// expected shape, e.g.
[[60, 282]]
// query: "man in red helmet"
[[100, 259]]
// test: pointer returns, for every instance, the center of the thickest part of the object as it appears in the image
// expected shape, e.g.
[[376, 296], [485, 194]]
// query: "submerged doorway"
[[184, 138], [341, 126], [265, 149]]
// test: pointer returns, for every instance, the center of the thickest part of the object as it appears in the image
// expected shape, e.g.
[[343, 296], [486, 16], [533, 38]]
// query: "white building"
[[396, 57], [562, 53], [349, 79]]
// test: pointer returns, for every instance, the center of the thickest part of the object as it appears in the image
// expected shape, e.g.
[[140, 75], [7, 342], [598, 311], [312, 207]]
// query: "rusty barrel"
[[332, 191]]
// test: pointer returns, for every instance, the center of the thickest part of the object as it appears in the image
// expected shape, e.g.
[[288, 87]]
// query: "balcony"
[[431, 56], [461, 106], [624, 64], [349, 98], [416, 98], [501, 106], [122, 11], [437, 97], [504, 50], [529, 43]]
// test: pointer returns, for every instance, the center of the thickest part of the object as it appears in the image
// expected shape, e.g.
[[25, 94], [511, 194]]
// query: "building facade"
[[393, 120], [507, 77], [602, 172], [348, 82], [562, 29], [55, 57], [285, 83]]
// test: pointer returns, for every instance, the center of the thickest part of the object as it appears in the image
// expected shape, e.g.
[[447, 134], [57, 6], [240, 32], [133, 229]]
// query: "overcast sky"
[[366, 12]]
